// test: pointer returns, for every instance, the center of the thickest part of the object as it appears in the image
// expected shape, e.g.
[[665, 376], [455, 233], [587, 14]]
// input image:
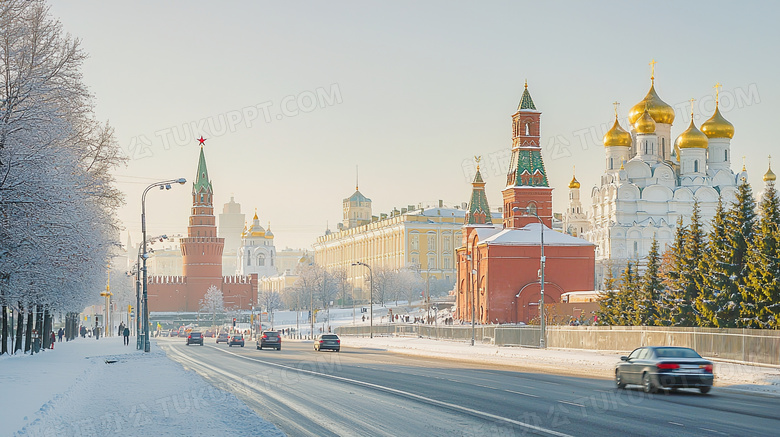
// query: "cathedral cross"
[[616, 104], [477, 159], [652, 70], [717, 87], [692, 100]]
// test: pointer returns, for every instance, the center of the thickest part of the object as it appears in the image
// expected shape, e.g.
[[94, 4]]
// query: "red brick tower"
[[526, 182], [202, 249]]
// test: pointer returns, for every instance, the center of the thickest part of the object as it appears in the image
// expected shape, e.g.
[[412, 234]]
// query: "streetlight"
[[107, 294], [164, 185], [304, 259], [370, 298], [137, 273], [542, 323]]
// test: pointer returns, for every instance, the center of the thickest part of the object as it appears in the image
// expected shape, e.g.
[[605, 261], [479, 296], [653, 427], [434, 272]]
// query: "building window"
[[725, 155], [261, 260], [248, 258], [447, 243], [431, 242], [636, 249], [447, 263], [415, 243], [696, 166], [431, 262]]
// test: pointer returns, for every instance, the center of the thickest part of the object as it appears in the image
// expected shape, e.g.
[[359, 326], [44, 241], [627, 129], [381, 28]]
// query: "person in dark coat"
[[60, 333], [126, 333], [121, 328]]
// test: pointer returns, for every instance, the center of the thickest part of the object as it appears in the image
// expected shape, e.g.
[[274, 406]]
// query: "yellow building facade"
[[424, 240]]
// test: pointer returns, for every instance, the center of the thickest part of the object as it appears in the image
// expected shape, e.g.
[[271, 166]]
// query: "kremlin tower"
[[202, 260]]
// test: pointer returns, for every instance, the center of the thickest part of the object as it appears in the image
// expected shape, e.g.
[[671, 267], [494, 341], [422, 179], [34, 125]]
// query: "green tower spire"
[[479, 210], [202, 182]]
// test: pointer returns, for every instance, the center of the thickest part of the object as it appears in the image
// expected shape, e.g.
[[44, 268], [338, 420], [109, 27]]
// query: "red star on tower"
[[202, 140]]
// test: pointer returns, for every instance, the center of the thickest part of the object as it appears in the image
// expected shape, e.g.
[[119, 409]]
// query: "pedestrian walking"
[[121, 328], [60, 333], [126, 333], [53, 339]]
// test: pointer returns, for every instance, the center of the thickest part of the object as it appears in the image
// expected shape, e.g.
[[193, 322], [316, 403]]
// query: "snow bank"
[[91, 387]]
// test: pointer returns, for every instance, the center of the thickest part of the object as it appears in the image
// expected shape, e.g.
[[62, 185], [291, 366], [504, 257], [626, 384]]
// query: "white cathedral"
[[649, 182]]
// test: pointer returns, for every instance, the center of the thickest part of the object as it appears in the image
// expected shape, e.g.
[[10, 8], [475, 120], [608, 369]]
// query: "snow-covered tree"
[[213, 303], [650, 289], [761, 291], [57, 200]]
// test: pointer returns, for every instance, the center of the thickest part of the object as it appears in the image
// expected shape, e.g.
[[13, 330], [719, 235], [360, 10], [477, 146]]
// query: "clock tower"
[[527, 187]]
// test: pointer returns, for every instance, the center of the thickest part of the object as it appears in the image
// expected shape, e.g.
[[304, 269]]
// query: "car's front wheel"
[[619, 380], [647, 384]]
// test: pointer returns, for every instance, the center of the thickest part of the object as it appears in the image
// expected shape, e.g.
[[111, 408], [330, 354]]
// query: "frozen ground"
[[72, 390]]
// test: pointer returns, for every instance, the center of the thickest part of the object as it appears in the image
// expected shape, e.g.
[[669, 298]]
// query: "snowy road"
[[374, 392]]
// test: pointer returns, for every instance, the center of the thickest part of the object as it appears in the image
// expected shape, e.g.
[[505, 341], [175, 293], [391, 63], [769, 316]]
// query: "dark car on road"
[[327, 341], [195, 337], [236, 339], [223, 338], [270, 339], [655, 367]]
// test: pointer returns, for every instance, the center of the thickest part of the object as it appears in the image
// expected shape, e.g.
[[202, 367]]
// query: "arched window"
[[248, 258], [261, 260], [610, 164], [696, 166], [528, 128], [726, 155]]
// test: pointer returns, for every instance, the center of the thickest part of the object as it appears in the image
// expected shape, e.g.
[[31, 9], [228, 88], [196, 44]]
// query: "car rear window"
[[330, 337], [196, 334], [676, 352], [271, 334]]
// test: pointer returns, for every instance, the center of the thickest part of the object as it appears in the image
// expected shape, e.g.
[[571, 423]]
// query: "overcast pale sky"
[[291, 96]]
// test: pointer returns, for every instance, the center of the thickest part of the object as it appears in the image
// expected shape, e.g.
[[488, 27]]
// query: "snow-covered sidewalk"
[[598, 364], [90, 387]]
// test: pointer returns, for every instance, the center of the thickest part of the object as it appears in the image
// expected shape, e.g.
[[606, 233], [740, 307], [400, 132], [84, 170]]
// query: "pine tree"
[[761, 292], [740, 224], [714, 277], [693, 251], [671, 302], [627, 298], [608, 301], [649, 289]]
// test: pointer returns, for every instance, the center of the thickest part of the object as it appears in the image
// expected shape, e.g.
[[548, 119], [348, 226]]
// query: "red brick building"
[[202, 260], [498, 264]]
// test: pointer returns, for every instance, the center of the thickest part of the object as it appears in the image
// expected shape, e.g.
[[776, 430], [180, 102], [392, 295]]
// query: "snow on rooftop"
[[530, 236]]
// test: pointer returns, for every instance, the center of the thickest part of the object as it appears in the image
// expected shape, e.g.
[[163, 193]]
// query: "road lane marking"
[[712, 430], [572, 403], [521, 393], [410, 395], [675, 423]]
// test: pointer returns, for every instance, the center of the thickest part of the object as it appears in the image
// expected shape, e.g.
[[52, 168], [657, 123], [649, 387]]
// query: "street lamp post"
[[167, 186], [542, 321], [370, 298]]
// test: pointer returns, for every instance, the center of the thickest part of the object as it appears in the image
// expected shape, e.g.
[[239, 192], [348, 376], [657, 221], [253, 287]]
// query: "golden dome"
[[769, 175], [692, 138], [658, 109], [717, 126], [645, 124], [617, 136], [574, 183]]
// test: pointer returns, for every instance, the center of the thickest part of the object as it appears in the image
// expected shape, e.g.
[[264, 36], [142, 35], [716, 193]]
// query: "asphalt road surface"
[[378, 393]]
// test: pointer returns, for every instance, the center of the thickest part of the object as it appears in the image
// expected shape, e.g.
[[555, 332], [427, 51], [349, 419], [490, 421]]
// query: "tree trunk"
[[19, 328], [4, 349], [28, 334], [39, 325], [46, 328]]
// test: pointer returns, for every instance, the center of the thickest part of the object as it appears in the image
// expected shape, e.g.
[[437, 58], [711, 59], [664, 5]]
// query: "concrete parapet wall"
[[753, 346]]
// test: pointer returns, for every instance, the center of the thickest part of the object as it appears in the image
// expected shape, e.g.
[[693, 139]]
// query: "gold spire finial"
[[477, 159], [652, 71], [692, 100], [357, 178], [616, 104], [717, 87], [526, 84], [743, 163]]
